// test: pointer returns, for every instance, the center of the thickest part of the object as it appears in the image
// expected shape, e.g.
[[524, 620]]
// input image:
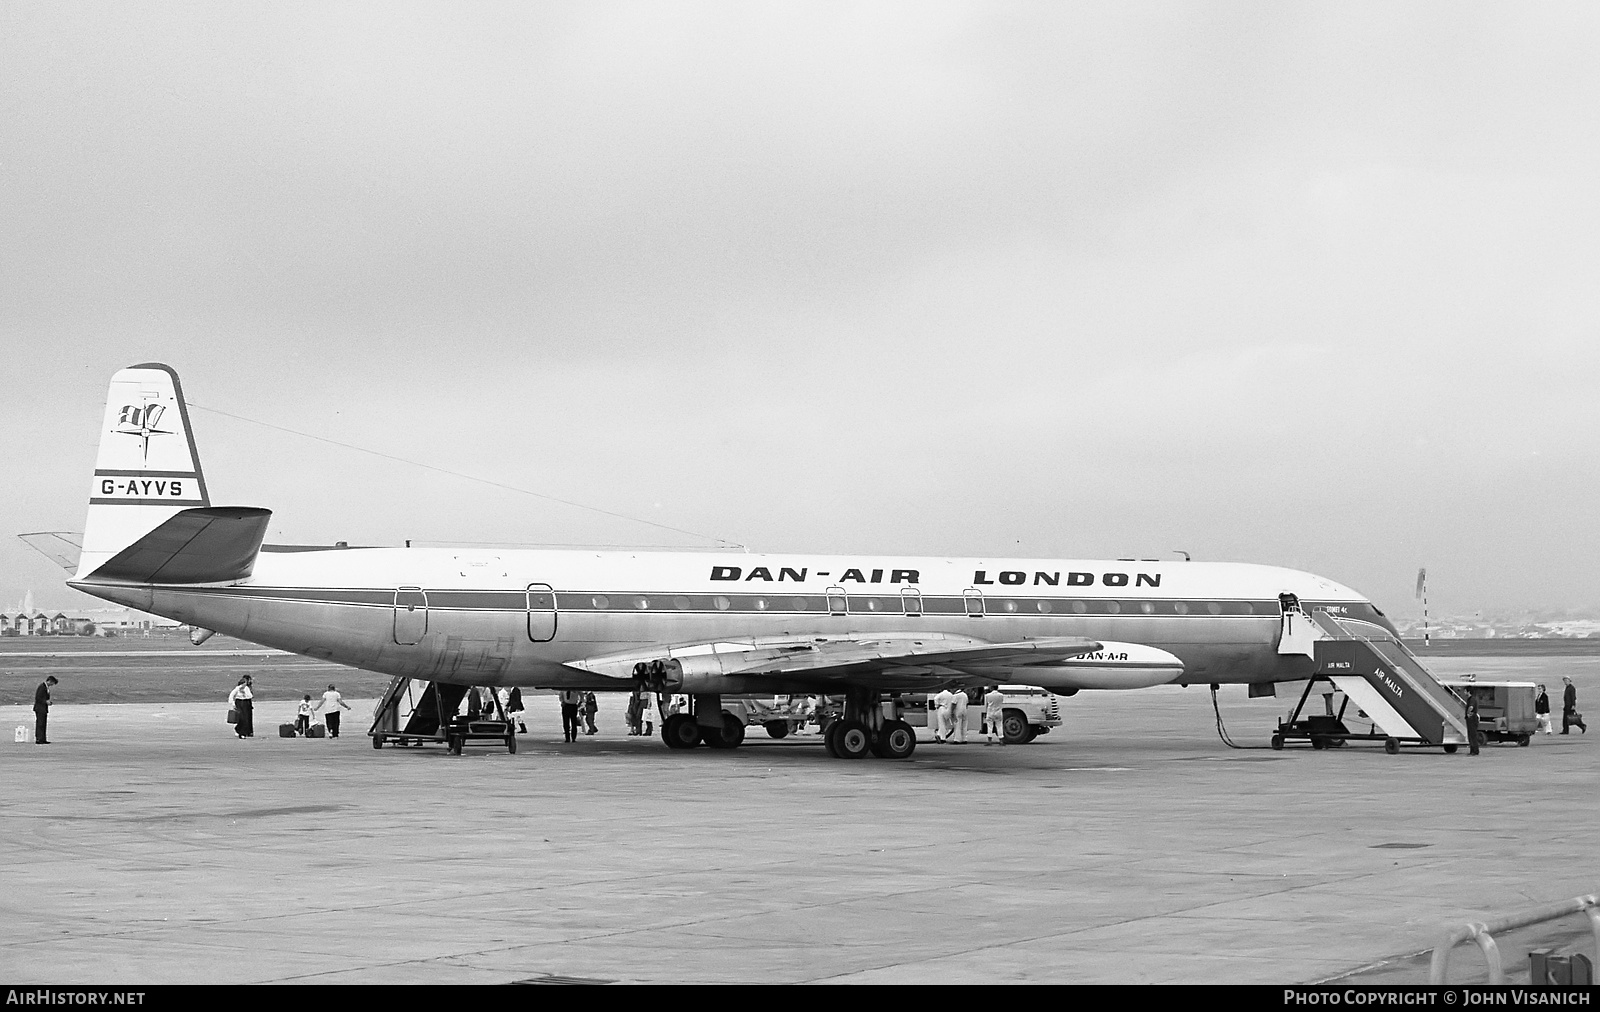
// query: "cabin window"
[[1079, 607], [1113, 608], [681, 603], [1044, 607], [1147, 607], [1180, 608], [761, 604], [721, 603], [600, 601], [799, 603]]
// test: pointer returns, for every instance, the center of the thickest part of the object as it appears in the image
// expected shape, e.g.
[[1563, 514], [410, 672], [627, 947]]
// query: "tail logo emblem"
[[141, 420]]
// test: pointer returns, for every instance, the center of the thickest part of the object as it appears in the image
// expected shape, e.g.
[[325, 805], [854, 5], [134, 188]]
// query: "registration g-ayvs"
[[704, 624]]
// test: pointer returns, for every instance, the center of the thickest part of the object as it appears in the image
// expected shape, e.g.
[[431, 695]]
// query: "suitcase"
[[285, 730], [317, 731]]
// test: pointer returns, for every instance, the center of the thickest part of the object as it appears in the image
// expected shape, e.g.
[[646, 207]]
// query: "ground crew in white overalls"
[[940, 705], [958, 714], [994, 710]]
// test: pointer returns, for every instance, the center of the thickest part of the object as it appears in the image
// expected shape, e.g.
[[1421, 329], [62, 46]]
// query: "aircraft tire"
[[511, 744], [896, 740], [1014, 727], [1451, 749], [851, 740], [680, 731], [377, 742], [827, 739], [1391, 746], [1277, 743], [730, 736], [777, 728]]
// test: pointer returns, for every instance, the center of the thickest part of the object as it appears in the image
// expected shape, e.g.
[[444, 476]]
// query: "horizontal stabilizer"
[[60, 547], [209, 544]]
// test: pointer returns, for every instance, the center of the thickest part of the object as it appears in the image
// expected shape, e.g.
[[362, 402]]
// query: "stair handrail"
[[1481, 932], [1458, 723]]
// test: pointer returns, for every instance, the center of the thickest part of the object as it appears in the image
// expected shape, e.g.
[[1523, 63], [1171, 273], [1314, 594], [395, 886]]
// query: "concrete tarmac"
[[148, 845]]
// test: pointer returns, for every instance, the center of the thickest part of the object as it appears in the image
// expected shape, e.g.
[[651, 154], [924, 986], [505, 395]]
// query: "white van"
[[1029, 712]]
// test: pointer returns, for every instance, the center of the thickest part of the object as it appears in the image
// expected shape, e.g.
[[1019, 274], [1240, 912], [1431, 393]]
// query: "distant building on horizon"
[[93, 622]]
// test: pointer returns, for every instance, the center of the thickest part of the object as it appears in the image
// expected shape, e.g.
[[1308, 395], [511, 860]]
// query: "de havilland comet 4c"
[[704, 624]]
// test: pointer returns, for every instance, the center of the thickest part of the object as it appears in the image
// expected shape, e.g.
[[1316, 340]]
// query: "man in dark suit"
[[1473, 730], [1569, 709], [41, 710]]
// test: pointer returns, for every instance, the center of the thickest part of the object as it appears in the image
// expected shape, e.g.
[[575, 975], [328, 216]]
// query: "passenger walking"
[[959, 700], [635, 707], [590, 708], [514, 710], [242, 699], [1541, 709], [332, 700], [647, 713], [571, 699], [1570, 717], [41, 710], [994, 712], [1473, 733], [302, 720]]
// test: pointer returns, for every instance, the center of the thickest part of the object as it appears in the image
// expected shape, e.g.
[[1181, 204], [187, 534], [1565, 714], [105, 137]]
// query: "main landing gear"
[[864, 729], [706, 723]]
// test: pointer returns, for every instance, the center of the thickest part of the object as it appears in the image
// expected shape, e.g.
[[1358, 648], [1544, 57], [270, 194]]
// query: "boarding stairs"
[[1387, 682], [408, 713]]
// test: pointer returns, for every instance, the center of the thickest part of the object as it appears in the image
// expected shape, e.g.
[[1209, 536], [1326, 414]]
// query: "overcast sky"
[[1302, 284]]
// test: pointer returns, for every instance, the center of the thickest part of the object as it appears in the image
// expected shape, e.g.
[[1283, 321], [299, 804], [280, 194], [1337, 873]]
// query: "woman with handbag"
[[242, 699], [1541, 710]]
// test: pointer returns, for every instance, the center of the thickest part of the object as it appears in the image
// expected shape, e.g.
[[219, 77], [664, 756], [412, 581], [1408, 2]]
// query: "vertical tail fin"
[[147, 470]]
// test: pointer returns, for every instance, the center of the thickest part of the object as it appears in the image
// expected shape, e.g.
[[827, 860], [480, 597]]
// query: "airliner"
[[866, 628]]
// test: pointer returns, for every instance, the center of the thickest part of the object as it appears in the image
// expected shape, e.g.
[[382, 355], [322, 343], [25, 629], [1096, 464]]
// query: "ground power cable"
[[723, 542], [1222, 730]]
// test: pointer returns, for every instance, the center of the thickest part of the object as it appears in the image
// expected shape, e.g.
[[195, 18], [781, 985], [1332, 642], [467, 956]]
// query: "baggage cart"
[[1505, 709]]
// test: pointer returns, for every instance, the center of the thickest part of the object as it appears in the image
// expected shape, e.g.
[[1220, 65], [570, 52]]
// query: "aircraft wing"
[[830, 664]]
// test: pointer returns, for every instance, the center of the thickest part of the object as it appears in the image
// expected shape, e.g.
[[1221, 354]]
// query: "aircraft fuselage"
[[523, 617]]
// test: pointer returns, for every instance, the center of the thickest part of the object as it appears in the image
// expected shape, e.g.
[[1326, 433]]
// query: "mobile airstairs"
[[415, 711], [1401, 700]]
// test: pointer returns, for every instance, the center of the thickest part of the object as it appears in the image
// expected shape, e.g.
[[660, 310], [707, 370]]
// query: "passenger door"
[[410, 615], [541, 613]]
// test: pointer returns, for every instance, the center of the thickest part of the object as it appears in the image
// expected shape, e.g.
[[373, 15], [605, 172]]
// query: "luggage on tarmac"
[[285, 730], [233, 716], [316, 731]]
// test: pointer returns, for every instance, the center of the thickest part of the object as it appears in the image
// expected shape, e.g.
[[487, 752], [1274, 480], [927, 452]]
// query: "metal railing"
[[1481, 932]]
